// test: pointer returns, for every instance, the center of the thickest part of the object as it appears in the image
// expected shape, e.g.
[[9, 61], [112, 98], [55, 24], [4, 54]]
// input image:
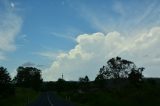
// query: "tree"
[[6, 87], [118, 68], [84, 80], [4, 76], [60, 85], [84, 83], [136, 75], [28, 77], [103, 74], [100, 80]]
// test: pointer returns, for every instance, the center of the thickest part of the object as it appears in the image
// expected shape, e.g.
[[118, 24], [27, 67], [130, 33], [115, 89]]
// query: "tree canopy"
[[28, 77], [6, 87], [117, 68], [84, 80], [4, 76]]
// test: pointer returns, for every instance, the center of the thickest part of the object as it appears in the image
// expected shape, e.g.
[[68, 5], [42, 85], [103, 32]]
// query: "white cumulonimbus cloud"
[[93, 50]]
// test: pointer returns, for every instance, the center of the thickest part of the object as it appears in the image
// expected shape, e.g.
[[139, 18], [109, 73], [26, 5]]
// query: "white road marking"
[[49, 100]]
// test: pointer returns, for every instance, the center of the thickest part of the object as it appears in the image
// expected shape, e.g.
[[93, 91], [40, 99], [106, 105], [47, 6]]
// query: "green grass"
[[21, 98], [118, 97]]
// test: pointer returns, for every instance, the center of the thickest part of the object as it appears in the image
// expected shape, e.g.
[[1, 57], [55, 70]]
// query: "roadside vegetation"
[[22, 89], [119, 82], [22, 97], [145, 95]]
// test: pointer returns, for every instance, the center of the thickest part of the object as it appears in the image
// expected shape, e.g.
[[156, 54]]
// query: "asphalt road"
[[50, 99]]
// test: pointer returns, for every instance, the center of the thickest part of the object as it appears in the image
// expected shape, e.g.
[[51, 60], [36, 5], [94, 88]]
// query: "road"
[[50, 99]]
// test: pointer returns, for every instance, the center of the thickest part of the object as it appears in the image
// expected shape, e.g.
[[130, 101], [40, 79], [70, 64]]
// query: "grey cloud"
[[28, 64]]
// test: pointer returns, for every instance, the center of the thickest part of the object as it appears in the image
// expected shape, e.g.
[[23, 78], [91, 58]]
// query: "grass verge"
[[21, 98], [122, 97]]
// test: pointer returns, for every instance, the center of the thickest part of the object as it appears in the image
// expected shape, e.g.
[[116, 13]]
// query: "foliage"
[[136, 75], [84, 83], [28, 77], [22, 97], [84, 80], [6, 87], [147, 95], [60, 85], [118, 68]]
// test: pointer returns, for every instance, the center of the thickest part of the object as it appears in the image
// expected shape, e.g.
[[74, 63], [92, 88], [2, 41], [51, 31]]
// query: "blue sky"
[[80, 35]]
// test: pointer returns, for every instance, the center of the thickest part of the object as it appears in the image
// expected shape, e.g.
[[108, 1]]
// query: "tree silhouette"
[[84, 83], [136, 75], [84, 80], [118, 68], [101, 77], [28, 77], [60, 85], [4, 76], [6, 88]]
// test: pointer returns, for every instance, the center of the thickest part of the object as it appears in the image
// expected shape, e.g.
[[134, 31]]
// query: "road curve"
[[50, 99]]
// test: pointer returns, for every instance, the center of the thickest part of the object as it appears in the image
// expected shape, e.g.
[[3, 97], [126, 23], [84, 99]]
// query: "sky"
[[77, 37]]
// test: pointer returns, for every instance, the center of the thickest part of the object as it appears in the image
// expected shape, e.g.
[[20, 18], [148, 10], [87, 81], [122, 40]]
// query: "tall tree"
[[4, 76], [28, 77], [117, 68], [6, 87], [136, 75]]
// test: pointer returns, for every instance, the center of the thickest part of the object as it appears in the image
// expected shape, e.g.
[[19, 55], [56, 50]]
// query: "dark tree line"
[[116, 71], [28, 77]]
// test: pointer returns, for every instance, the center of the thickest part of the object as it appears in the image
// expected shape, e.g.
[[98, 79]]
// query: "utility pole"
[[62, 75]]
